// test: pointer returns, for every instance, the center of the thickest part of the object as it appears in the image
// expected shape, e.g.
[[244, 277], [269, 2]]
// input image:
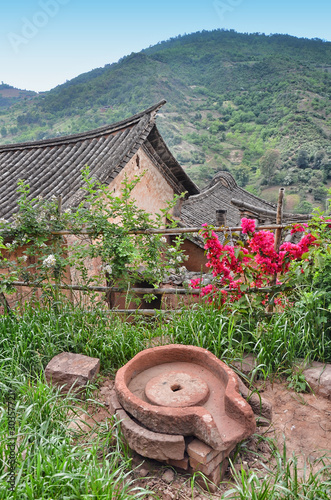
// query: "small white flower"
[[14, 242], [53, 217], [50, 261], [179, 258], [108, 269], [25, 258], [3, 221], [182, 269], [172, 249], [172, 262], [8, 245], [67, 211], [163, 239]]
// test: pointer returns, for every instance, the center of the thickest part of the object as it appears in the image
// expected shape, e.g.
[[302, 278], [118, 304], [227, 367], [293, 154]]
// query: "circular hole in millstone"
[[176, 387]]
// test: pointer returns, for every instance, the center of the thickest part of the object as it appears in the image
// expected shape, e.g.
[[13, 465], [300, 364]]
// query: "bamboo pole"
[[279, 219], [142, 291], [278, 237], [182, 230]]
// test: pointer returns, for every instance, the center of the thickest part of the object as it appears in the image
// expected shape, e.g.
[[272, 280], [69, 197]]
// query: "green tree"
[[302, 160], [270, 163]]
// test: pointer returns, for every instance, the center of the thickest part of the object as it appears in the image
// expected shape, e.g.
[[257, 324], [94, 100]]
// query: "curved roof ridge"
[[207, 191], [223, 174], [105, 129]]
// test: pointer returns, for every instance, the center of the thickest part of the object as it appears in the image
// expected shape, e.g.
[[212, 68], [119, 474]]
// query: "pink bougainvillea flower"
[[299, 228], [248, 225]]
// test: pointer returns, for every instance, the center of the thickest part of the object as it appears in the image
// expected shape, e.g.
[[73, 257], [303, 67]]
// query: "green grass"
[[49, 463], [282, 481], [52, 464]]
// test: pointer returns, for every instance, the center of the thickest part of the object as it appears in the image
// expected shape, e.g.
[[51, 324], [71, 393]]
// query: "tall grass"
[[49, 463], [30, 341], [277, 342]]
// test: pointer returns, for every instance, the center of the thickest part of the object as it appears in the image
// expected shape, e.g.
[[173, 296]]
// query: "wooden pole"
[[278, 237], [279, 219]]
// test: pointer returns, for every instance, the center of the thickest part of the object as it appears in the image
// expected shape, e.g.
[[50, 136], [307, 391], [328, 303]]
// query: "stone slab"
[[212, 481], [246, 365], [69, 369], [209, 467], [148, 443], [113, 402], [201, 452], [318, 377], [179, 464]]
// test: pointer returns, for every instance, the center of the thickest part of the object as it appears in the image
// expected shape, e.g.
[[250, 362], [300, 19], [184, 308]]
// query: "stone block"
[[319, 379], [201, 452], [212, 481], [180, 464], [148, 443], [113, 402], [210, 466], [68, 369]]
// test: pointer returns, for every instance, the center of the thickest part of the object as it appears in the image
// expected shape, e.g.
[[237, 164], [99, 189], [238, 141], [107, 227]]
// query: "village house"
[[133, 146], [122, 150]]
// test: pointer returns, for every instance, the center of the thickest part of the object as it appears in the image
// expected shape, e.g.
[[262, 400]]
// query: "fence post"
[[278, 237]]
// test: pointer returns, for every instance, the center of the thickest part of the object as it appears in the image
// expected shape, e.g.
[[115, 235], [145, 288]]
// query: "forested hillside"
[[258, 106]]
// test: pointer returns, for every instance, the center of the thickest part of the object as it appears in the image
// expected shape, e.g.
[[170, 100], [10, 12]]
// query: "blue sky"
[[43, 43]]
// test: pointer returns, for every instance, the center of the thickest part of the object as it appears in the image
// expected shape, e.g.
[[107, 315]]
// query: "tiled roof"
[[53, 166], [223, 193]]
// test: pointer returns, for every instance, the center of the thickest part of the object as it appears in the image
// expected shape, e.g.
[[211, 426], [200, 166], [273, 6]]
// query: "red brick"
[[212, 481], [201, 452], [180, 464], [210, 466]]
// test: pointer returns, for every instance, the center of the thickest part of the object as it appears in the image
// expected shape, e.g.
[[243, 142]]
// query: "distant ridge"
[[257, 106]]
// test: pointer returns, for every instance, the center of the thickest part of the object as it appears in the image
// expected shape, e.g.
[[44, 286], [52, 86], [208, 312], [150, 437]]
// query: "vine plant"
[[34, 254]]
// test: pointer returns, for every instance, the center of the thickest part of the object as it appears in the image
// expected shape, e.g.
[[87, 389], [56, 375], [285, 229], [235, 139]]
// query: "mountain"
[[258, 106], [10, 95]]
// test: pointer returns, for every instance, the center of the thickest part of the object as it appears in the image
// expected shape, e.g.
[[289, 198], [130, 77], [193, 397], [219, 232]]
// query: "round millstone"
[[177, 390]]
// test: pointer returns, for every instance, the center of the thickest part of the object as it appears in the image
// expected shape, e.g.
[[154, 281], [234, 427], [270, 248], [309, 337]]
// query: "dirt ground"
[[304, 420]]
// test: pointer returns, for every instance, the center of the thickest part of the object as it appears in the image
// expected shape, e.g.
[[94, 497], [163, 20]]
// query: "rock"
[[168, 476], [68, 369], [246, 365], [142, 472], [79, 423], [319, 378]]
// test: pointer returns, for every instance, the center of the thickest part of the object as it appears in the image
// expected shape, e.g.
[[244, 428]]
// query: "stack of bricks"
[[199, 457], [212, 463]]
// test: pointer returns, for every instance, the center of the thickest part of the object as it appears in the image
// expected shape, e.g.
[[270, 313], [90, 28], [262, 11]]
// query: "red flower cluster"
[[253, 265]]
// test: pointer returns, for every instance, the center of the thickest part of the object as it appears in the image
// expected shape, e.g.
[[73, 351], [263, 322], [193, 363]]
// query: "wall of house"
[[153, 191], [197, 259], [151, 194]]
